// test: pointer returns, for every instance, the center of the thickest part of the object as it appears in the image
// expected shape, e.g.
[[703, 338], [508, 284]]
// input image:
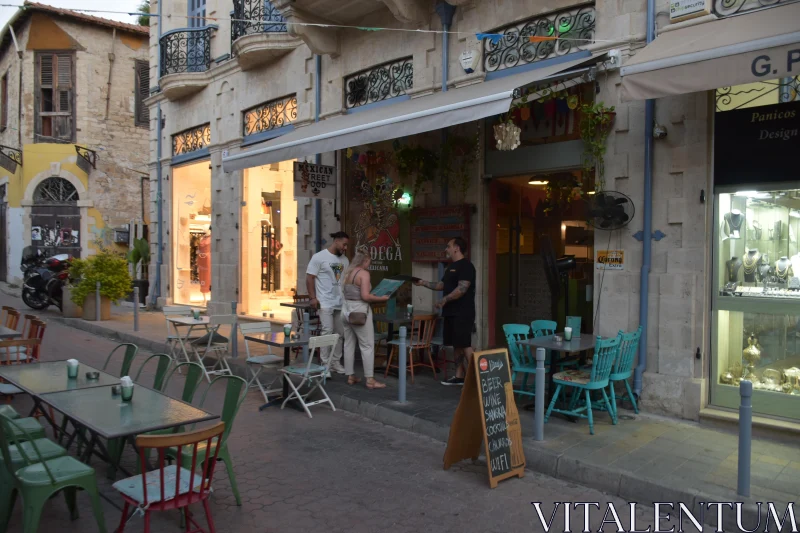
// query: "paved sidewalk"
[[644, 458]]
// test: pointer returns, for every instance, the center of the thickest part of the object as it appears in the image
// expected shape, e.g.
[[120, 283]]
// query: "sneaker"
[[454, 381], [339, 369]]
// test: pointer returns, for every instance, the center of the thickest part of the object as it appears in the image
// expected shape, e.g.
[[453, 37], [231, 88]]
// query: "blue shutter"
[[197, 13]]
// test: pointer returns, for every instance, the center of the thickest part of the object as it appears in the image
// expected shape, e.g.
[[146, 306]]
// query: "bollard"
[[305, 336], [538, 428], [234, 332], [745, 436], [401, 367], [97, 302], [136, 309]]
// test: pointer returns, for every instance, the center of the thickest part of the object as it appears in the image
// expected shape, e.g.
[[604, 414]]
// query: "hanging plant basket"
[[507, 136]]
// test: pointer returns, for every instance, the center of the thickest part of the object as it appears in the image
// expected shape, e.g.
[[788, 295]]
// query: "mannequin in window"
[[733, 268], [783, 268], [750, 264], [204, 264], [732, 224]]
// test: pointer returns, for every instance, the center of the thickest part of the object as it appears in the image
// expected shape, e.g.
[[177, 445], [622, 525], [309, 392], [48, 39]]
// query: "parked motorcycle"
[[43, 278]]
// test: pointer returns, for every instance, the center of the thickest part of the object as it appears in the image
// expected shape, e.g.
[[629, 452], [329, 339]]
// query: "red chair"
[[172, 487]]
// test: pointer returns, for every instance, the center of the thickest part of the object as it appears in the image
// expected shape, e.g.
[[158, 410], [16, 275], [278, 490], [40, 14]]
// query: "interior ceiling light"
[[536, 182]]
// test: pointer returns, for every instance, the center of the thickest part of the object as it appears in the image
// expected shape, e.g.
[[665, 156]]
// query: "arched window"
[[55, 191]]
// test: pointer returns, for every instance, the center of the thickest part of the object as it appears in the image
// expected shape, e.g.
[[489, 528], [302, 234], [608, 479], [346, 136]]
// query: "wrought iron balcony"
[[255, 16], [381, 82], [186, 50], [726, 8], [515, 47]]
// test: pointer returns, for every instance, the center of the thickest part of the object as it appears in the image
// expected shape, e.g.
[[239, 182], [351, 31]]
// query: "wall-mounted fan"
[[609, 210]]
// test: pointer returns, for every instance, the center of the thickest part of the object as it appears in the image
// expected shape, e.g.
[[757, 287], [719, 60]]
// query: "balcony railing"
[[381, 82], [186, 50], [575, 27], [726, 8], [255, 16]]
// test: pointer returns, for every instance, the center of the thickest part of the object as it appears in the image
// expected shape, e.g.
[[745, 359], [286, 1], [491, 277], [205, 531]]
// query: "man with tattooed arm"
[[458, 306]]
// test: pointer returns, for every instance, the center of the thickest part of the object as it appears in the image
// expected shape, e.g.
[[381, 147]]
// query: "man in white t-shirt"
[[323, 281]]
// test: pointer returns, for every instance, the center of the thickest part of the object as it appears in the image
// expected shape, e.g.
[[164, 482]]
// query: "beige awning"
[[758, 46], [418, 115]]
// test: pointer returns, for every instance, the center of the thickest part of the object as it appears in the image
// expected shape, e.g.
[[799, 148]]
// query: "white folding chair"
[[214, 344], [257, 363], [173, 340], [310, 373]]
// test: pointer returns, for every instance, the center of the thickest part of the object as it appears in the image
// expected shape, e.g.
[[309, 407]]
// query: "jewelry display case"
[[756, 309]]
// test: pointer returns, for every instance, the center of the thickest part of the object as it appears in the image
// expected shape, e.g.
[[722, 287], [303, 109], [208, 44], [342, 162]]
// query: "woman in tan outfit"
[[357, 299]]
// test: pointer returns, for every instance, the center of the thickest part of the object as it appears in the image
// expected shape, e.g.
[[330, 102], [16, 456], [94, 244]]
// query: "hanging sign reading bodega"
[[314, 181]]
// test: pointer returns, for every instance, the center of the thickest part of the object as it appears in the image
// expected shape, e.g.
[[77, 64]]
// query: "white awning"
[[759, 46], [410, 117]]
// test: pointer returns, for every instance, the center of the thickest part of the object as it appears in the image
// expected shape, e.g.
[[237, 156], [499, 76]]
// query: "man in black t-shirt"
[[458, 306]]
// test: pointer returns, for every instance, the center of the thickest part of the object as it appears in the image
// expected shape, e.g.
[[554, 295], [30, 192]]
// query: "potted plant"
[[595, 125], [140, 254], [108, 268]]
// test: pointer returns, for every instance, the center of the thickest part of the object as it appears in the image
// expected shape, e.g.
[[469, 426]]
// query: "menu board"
[[488, 396], [433, 228]]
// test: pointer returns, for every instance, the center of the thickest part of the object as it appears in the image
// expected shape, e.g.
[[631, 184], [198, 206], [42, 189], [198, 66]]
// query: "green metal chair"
[[194, 374], [164, 362], [41, 476], [235, 393], [585, 381], [623, 367], [48, 449], [9, 412], [521, 358], [127, 360]]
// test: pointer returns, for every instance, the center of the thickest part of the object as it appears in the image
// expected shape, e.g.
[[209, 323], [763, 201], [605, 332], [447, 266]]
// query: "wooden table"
[[8, 333], [577, 345], [279, 340]]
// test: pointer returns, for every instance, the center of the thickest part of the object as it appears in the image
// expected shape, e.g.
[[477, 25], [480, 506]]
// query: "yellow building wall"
[[41, 161]]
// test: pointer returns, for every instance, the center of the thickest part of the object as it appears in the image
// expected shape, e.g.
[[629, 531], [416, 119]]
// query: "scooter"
[[43, 279]]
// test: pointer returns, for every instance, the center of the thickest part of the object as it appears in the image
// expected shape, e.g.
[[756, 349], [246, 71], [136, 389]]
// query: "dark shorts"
[[457, 331]]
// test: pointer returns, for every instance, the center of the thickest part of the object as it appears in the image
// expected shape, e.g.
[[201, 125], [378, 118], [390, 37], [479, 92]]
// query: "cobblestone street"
[[335, 472]]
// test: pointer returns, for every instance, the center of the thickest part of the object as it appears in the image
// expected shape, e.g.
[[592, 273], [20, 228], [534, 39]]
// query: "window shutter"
[[46, 70], [142, 92], [64, 83]]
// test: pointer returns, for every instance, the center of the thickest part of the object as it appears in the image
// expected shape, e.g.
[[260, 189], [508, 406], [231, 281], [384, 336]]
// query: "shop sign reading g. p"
[[765, 65], [314, 181]]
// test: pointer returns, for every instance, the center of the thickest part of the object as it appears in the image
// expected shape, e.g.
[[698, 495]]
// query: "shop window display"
[[758, 303], [191, 195], [269, 241]]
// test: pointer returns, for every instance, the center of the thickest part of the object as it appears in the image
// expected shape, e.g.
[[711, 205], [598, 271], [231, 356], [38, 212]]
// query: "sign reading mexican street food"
[[433, 228], [687, 9], [757, 144], [610, 260], [314, 181]]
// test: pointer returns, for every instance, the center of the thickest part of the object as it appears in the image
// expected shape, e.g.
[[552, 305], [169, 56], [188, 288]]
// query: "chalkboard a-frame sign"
[[488, 396]]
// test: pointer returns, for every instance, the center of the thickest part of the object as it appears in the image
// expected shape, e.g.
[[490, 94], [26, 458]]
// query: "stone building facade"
[[72, 111], [276, 61]]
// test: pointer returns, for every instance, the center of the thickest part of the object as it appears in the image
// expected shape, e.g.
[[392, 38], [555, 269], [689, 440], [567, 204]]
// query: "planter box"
[[69, 309], [89, 308], [144, 289]]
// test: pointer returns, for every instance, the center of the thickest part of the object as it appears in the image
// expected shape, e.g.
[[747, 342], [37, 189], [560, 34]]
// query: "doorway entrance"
[[56, 218], [525, 217]]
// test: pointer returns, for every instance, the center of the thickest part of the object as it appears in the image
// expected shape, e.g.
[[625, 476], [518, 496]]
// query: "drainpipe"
[[445, 12], [647, 230], [156, 293], [318, 157], [20, 56], [111, 58]]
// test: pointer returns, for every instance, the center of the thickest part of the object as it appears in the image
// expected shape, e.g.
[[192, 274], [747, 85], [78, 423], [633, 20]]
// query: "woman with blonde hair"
[[357, 319]]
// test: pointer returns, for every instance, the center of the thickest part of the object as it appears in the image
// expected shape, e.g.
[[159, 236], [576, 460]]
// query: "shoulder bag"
[[356, 318]]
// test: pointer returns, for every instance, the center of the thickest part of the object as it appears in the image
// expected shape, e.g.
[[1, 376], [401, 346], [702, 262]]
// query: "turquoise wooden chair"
[[543, 328], [522, 362], [623, 367], [584, 381]]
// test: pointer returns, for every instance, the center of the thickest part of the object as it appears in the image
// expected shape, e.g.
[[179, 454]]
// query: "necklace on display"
[[782, 267], [750, 260], [757, 230]]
